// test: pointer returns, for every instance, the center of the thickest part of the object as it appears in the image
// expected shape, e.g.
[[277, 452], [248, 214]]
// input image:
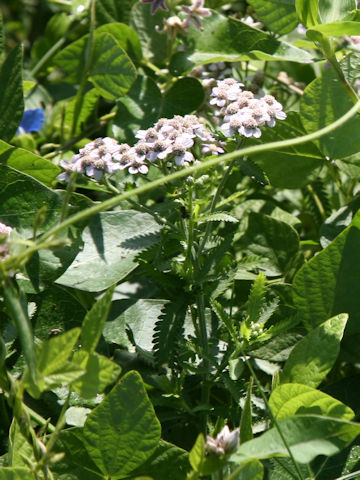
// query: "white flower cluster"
[[4, 245], [168, 140], [241, 112]]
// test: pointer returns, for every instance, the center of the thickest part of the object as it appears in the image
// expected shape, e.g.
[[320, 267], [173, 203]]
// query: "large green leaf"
[[323, 102], [168, 461], [111, 242], [273, 240], [337, 29], [29, 163], [293, 167], [108, 11], [329, 284], [291, 399], [228, 39], [307, 436], [278, 15], [11, 94], [9, 473], [22, 197], [147, 27], [140, 317], [185, 96], [314, 356], [330, 11], [112, 71], [126, 37], [123, 431]]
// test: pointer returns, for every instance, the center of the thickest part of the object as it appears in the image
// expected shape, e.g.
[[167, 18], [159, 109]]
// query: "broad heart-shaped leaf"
[[112, 71], [291, 399], [22, 197], [147, 27], [227, 39], [278, 15], [140, 317], [94, 321], [324, 101], [111, 242], [10, 473], [314, 356], [123, 431], [308, 12], [126, 37], [307, 436], [11, 94], [293, 167], [274, 240], [329, 284], [29, 163], [139, 109], [168, 461]]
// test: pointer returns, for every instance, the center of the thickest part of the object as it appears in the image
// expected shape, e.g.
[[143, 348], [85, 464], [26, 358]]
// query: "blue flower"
[[32, 121]]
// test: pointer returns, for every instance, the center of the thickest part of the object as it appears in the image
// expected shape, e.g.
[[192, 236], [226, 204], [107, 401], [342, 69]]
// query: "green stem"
[[48, 55], [18, 314], [112, 202]]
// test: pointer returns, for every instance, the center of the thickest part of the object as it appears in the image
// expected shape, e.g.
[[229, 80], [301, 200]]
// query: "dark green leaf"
[[185, 96], [111, 242], [11, 94], [9, 473], [108, 11], [126, 37], [246, 432], [123, 431]]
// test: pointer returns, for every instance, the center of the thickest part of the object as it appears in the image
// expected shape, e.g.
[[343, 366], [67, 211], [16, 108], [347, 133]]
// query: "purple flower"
[[32, 121], [155, 5]]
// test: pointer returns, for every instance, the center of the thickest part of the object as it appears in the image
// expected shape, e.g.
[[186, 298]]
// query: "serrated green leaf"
[[123, 431], [217, 217], [11, 94], [291, 399], [256, 299], [111, 243], [314, 356], [307, 436], [278, 15], [329, 284]]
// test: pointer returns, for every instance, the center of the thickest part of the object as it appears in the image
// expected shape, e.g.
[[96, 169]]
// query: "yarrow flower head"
[[241, 112], [225, 442], [168, 141]]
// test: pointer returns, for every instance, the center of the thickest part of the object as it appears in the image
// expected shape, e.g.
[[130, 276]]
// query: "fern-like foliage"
[[256, 299], [169, 333]]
